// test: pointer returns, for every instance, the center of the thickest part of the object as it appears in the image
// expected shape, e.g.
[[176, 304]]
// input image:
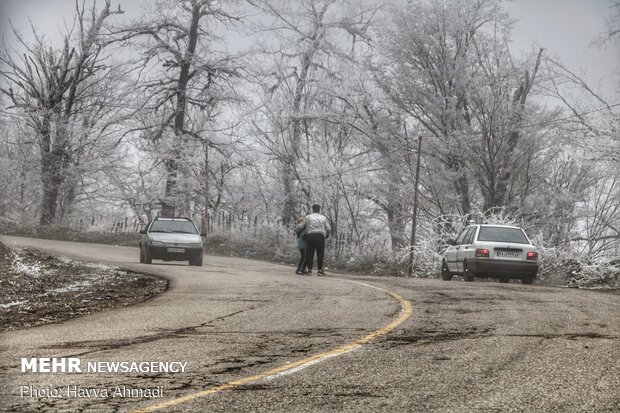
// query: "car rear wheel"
[[446, 275], [467, 274], [504, 280], [527, 279], [196, 261]]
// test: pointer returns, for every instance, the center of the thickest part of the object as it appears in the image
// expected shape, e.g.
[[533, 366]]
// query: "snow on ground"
[[36, 288]]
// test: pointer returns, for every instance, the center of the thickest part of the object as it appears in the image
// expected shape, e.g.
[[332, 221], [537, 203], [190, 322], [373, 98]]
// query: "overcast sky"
[[565, 28]]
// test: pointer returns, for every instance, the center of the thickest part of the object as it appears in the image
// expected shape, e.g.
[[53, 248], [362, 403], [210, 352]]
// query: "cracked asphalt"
[[468, 347]]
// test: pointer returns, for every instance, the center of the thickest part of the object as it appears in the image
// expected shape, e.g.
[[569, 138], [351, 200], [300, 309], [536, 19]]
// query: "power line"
[[358, 167]]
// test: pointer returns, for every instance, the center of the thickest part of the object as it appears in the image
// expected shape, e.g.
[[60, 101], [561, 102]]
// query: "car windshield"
[[184, 227], [500, 234]]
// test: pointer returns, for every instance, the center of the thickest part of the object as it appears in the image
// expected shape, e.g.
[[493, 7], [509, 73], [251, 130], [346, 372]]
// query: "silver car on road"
[[171, 239], [497, 251]]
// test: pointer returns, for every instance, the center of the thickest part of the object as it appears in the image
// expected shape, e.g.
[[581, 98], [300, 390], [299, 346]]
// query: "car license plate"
[[508, 254], [181, 250]]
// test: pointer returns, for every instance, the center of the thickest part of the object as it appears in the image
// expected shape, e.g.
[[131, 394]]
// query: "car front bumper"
[[162, 253], [503, 268]]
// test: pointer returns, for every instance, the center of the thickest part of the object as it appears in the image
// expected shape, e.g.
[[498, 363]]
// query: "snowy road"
[[464, 347]]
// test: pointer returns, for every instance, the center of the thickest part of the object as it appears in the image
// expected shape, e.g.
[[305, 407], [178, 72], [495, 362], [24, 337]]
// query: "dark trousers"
[[316, 242], [302, 260]]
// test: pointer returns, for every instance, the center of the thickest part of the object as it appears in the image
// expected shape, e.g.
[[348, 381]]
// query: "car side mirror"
[[451, 241], [143, 231]]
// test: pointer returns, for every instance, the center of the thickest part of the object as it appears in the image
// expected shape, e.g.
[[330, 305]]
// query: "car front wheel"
[[147, 255], [446, 275], [196, 261], [527, 280]]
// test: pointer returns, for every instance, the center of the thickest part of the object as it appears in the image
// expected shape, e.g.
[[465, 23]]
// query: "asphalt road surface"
[[258, 338]]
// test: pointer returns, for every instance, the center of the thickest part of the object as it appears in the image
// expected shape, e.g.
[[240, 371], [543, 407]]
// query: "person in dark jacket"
[[301, 244], [317, 231]]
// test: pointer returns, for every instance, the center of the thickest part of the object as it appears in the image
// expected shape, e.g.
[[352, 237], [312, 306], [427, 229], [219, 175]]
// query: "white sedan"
[[496, 251]]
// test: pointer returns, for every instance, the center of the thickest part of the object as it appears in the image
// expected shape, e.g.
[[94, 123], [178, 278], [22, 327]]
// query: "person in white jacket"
[[317, 231]]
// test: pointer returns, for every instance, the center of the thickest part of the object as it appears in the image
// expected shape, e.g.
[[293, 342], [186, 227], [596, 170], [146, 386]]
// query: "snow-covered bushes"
[[371, 256], [428, 255], [273, 243], [64, 233], [20, 265], [567, 267], [598, 274]]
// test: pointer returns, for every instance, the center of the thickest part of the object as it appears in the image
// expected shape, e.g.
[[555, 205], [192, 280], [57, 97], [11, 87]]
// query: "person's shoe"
[[320, 272], [298, 272]]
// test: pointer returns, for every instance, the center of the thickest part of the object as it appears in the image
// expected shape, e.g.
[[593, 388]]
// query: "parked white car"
[[496, 251]]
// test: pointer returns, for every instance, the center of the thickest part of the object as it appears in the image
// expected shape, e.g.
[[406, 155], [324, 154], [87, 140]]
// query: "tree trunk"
[[288, 213], [396, 223], [48, 205], [52, 180], [498, 193], [51, 174], [461, 184], [170, 201]]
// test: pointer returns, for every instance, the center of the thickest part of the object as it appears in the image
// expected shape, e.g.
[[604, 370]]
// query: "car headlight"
[[194, 245], [157, 243]]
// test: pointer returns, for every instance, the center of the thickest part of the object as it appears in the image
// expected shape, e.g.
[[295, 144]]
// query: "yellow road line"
[[405, 312]]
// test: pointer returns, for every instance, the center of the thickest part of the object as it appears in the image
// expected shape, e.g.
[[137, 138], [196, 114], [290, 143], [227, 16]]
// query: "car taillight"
[[532, 256], [482, 252]]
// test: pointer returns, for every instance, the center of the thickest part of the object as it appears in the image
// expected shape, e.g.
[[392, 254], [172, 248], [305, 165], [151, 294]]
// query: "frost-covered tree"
[[447, 65], [184, 77], [62, 96], [19, 175], [308, 41]]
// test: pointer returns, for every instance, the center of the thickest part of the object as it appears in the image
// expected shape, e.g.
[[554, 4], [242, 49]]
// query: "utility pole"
[[414, 217], [205, 217]]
